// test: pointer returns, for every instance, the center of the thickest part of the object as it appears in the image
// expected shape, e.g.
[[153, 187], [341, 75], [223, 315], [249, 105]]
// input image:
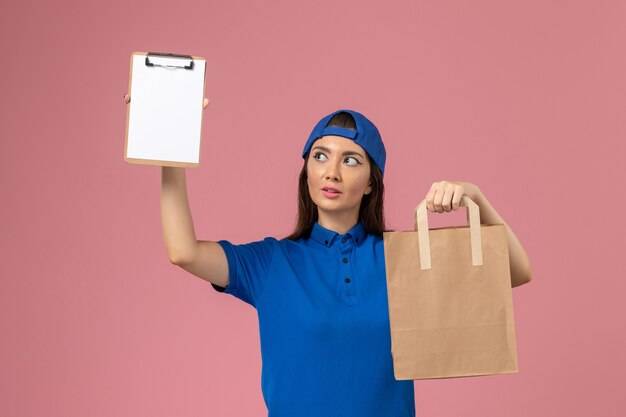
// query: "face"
[[338, 162]]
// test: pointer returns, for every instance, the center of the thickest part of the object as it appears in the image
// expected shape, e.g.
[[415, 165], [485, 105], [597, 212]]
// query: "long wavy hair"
[[371, 212]]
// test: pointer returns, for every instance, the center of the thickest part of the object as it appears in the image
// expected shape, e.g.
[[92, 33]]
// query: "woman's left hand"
[[446, 195]]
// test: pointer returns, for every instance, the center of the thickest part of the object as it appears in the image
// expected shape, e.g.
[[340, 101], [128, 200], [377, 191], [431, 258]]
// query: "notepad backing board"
[[164, 116]]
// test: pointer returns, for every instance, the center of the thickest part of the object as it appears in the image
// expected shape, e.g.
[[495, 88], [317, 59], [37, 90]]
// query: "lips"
[[331, 189]]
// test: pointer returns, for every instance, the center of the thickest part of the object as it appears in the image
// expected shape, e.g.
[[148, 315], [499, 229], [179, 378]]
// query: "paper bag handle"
[[421, 225]]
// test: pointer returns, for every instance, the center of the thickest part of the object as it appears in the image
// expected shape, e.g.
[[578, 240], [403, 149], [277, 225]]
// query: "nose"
[[332, 171]]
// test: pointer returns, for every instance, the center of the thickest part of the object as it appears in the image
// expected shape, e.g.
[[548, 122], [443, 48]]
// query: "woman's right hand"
[[205, 103]]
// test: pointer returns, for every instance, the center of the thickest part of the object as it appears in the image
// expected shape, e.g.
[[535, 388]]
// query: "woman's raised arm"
[[205, 259]]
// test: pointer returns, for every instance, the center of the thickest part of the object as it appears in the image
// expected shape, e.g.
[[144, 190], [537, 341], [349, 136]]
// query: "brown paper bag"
[[450, 299]]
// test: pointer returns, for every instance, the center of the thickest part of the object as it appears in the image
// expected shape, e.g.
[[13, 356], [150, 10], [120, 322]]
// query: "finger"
[[127, 98], [429, 199], [205, 103], [438, 198], [456, 200], [448, 195]]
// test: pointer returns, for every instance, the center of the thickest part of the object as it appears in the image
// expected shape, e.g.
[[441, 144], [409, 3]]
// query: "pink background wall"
[[523, 98]]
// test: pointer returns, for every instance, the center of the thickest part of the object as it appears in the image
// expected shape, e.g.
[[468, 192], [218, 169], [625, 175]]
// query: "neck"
[[340, 223]]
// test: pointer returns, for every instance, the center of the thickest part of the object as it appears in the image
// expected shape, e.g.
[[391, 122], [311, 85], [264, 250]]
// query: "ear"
[[368, 190]]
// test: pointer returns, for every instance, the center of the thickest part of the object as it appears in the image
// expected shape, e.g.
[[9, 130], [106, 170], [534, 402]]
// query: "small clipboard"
[[164, 116]]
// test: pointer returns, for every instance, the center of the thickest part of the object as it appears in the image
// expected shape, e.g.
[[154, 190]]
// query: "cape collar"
[[327, 237]]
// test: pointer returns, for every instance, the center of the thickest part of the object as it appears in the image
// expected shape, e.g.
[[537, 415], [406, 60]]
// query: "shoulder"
[[289, 245], [260, 251], [269, 242], [375, 239]]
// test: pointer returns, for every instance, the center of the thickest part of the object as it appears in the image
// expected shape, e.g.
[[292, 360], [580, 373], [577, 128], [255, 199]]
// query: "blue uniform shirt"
[[323, 322]]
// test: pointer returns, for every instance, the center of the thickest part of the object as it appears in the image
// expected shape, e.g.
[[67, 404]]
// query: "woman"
[[320, 293]]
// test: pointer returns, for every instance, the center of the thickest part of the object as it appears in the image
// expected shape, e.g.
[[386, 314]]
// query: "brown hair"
[[371, 210]]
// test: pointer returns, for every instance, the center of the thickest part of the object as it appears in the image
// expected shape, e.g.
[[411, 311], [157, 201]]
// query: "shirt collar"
[[327, 237]]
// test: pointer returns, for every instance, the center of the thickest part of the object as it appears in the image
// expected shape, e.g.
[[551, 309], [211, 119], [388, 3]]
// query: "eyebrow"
[[324, 148]]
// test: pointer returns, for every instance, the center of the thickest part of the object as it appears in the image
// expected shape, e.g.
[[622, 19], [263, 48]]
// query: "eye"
[[316, 154], [355, 160]]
